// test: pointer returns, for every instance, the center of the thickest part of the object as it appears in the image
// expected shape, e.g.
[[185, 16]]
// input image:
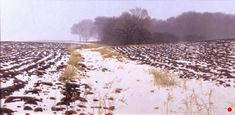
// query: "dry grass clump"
[[73, 65], [75, 53], [109, 52], [105, 50], [71, 49], [69, 73], [75, 58], [162, 77]]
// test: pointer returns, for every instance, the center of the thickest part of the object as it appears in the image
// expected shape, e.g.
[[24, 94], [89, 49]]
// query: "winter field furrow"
[[170, 78], [212, 60]]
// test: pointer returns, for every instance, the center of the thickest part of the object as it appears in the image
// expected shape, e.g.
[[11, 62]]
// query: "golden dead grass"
[[109, 52], [75, 58], [71, 49], [73, 65], [75, 53], [68, 74], [86, 46], [105, 50], [162, 77]]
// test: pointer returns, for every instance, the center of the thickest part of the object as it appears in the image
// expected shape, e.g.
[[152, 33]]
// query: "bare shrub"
[[194, 103]]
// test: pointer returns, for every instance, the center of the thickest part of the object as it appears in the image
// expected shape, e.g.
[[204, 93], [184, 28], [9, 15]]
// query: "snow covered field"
[[109, 85], [209, 60], [139, 95]]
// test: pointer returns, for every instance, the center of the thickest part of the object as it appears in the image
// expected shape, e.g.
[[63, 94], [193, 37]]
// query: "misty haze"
[[117, 57]]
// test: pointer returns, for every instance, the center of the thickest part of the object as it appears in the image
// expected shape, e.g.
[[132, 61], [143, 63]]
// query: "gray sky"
[[26, 20]]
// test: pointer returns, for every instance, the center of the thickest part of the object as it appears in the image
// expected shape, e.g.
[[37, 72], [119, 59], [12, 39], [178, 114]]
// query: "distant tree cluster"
[[84, 29], [191, 26], [136, 26]]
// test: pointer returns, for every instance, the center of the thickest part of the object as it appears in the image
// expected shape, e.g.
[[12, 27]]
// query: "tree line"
[[136, 26]]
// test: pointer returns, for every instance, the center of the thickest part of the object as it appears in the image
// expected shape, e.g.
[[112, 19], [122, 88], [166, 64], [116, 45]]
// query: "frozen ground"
[[119, 87], [139, 95], [209, 60]]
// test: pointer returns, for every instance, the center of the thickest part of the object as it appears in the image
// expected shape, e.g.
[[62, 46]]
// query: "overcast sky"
[[27, 20]]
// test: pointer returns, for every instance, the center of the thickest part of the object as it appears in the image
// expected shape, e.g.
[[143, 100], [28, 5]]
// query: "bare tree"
[[129, 27], [132, 23], [85, 30]]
